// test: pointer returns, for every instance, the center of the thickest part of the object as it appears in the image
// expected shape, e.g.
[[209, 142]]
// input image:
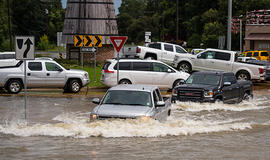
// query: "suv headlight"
[[208, 93]]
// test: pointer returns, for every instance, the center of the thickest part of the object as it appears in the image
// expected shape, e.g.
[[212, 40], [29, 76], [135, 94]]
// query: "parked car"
[[7, 59], [263, 63], [212, 87], [220, 60], [132, 101], [137, 71], [196, 51], [161, 51], [258, 54], [42, 73], [245, 59]]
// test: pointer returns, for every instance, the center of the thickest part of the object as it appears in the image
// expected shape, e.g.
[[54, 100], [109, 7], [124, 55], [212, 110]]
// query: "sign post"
[[25, 50], [118, 42]]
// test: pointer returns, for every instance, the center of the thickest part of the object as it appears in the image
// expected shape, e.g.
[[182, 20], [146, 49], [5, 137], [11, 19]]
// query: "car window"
[[7, 56], [256, 54], [52, 66], [155, 45], [126, 97], [168, 47], [228, 78], [249, 54], [155, 96], [159, 67], [222, 56], [180, 50], [123, 66], [141, 66], [264, 54], [35, 66], [207, 79], [159, 95], [208, 55]]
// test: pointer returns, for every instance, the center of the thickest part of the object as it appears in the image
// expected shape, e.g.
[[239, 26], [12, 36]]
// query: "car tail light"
[[261, 70], [108, 71], [138, 50]]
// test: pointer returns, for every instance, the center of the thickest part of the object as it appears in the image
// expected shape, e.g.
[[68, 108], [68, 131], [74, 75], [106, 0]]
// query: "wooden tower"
[[89, 17]]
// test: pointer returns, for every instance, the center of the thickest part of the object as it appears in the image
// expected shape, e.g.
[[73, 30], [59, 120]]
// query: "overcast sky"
[[117, 4]]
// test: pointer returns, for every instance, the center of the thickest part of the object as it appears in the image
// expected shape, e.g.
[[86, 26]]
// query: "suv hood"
[[197, 86], [125, 111]]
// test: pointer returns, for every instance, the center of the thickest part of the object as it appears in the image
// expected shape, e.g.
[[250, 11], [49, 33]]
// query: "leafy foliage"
[[199, 21]]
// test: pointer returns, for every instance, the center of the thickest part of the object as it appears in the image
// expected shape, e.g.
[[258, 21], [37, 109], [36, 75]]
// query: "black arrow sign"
[[89, 41], [98, 41], [79, 40], [28, 42]]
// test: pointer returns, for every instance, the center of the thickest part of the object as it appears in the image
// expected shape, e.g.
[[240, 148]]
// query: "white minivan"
[[7, 59], [136, 71]]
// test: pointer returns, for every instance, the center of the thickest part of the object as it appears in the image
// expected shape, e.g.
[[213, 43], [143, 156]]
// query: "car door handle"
[[28, 74], [192, 58], [212, 62], [48, 74]]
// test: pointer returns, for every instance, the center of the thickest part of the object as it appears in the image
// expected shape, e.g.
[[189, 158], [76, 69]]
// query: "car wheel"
[[150, 58], [74, 86], [176, 83], [247, 97], [218, 101], [124, 81], [184, 66], [14, 86], [243, 75]]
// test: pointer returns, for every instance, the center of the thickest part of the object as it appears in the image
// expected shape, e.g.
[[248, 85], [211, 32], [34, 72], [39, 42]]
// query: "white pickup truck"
[[220, 60], [42, 73], [161, 51]]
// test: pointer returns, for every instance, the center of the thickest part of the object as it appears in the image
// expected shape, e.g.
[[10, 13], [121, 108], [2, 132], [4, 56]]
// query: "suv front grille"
[[190, 94]]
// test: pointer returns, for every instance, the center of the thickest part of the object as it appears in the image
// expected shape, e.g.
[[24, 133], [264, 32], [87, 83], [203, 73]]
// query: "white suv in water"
[[136, 71]]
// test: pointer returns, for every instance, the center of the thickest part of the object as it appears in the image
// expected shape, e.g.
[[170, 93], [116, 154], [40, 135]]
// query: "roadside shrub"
[[44, 43]]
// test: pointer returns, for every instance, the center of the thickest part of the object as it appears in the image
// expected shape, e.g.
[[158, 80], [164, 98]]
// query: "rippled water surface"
[[58, 128]]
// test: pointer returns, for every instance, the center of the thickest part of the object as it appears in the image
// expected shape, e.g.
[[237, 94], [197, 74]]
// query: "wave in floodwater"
[[79, 127], [254, 104]]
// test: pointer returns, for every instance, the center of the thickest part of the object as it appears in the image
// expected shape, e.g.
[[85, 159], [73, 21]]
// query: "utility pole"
[[9, 26], [229, 33], [240, 33], [177, 21]]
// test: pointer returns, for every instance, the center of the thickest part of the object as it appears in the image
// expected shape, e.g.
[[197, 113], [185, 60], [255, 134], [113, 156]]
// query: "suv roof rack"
[[44, 58]]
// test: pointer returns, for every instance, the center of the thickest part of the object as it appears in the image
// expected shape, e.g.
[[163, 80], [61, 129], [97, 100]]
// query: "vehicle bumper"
[[201, 100], [85, 82]]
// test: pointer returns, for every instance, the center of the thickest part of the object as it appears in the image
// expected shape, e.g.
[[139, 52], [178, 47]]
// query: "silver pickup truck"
[[220, 60], [42, 73], [132, 101]]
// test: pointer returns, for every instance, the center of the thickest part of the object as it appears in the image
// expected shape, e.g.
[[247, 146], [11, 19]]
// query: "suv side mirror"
[[96, 101], [227, 83], [169, 71], [160, 104]]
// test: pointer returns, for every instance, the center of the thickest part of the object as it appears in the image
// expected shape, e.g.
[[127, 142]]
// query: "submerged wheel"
[[176, 83], [243, 75], [184, 66], [247, 96], [150, 58], [124, 81], [14, 86], [74, 86]]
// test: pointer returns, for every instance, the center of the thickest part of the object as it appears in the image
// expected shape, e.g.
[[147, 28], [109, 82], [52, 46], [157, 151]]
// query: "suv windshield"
[[207, 79], [122, 97]]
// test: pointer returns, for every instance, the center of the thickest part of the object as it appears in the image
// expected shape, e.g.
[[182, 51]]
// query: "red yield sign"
[[118, 42]]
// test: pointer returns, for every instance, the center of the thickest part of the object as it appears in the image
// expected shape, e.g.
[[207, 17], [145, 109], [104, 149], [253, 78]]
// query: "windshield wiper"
[[115, 103], [136, 104]]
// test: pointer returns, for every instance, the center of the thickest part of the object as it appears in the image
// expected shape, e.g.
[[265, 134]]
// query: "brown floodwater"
[[58, 128]]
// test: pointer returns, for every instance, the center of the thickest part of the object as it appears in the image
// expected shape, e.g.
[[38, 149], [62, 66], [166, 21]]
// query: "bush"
[[44, 43]]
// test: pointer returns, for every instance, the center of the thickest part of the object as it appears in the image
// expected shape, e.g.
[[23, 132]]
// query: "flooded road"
[[58, 128]]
